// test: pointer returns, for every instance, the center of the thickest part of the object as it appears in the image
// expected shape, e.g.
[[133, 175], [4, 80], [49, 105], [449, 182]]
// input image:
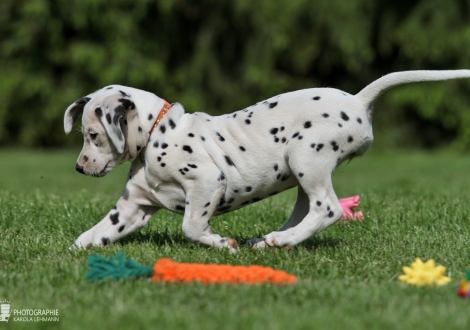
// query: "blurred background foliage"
[[219, 56]]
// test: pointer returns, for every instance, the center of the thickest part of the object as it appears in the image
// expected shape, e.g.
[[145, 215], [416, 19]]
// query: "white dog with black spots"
[[202, 166]]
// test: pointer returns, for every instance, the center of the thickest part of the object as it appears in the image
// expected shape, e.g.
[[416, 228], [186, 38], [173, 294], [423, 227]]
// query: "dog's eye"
[[93, 135]]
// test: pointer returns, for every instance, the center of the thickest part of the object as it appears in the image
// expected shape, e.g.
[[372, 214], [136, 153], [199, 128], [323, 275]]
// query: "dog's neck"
[[163, 112], [140, 127]]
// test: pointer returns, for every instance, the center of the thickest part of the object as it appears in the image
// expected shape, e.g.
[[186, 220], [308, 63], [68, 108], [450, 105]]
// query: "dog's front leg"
[[126, 217], [200, 206]]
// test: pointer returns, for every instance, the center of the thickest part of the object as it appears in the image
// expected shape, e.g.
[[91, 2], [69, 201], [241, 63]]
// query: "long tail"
[[376, 88]]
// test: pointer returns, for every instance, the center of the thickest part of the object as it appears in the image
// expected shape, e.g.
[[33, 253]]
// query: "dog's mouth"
[[106, 169]]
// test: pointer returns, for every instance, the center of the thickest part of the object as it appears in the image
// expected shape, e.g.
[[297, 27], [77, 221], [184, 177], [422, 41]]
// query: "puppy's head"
[[111, 129]]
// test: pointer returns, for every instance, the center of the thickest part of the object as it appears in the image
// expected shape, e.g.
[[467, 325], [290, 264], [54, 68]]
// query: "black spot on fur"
[[331, 214], [276, 167], [234, 115], [83, 100], [285, 177], [159, 159], [162, 129], [247, 121], [229, 161], [205, 213], [150, 117], [99, 112], [319, 146], [295, 134], [318, 203], [192, 165], [155, 144], [359, 120], [138, 148], [308, 124], [312, 145], [316, 98], [188, 149], [85, 158], [276, 139], [119, 113], [105, 241], [172, 124], [344, 116], [221, 176], [334, 145], [282, 128], [283, 140], [241, 148], [222, 201], [207, 204], [300, 137], [162, 164], [114, 218], [186, 169], [203, 138], [340, 125], [221, 138], [140, 129], [272, 105], [248, 189], [109, 87], [191, 135], [301, 174], [128, 104], [325, 115], [108, 118], [350, 139], [164, 145], [120, 229], [274, 130], [124, 94]]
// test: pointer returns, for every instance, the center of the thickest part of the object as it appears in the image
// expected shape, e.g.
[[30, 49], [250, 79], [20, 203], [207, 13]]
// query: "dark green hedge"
[[220, 56]]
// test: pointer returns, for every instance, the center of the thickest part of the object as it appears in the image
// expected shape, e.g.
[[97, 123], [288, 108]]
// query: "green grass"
[[416, 205]]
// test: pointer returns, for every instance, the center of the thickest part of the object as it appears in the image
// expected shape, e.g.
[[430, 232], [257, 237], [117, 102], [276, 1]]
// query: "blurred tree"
[[219, 56]]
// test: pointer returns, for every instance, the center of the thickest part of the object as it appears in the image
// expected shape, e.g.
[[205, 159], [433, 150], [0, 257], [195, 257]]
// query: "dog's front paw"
[[85, 241]]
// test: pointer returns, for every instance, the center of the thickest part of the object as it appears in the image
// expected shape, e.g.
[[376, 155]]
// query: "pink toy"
[[348, 205]]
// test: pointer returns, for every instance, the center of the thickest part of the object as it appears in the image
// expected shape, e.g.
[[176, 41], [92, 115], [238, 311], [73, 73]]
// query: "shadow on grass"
[[157, 239], [323, 242], [171, 238]]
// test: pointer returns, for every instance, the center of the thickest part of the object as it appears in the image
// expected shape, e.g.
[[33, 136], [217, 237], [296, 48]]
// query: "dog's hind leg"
[[314, 177]]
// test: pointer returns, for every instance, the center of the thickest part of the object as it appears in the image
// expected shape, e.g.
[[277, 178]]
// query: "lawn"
[[415, 205]]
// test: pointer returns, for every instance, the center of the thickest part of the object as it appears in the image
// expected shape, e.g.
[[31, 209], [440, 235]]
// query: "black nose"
[[79, 168]]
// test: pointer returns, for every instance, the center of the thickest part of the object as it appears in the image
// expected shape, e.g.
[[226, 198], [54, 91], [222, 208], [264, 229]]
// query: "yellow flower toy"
[[427, 273]]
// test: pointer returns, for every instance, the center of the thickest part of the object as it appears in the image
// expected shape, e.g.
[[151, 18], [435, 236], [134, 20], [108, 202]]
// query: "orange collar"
[[165, 108]]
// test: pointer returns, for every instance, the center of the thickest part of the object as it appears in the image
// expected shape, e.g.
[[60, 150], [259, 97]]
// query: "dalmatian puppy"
[[202, 166]]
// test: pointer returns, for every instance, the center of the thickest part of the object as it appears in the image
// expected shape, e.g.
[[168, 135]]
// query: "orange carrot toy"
[[166, 270]]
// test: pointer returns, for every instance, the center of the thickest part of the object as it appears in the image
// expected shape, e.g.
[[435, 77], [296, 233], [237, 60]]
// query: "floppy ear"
[[115, 111], [73, 112]]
